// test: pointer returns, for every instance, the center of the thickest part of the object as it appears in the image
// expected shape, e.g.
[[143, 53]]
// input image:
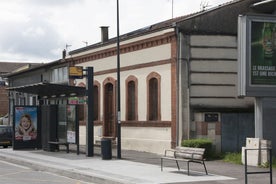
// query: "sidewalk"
[[134, 167]]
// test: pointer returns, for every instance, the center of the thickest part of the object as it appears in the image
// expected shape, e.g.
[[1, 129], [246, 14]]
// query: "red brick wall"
[[4, 101]]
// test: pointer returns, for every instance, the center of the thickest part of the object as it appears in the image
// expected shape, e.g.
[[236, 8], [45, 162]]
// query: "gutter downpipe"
[[187, 87], [178, 54], [183, 87], [183, 83]]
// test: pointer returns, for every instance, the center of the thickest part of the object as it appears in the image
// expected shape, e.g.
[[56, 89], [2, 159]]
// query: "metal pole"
[[172, 9], [118, 88], [89, 123], [270, 164], [77, 130], [245, 165]]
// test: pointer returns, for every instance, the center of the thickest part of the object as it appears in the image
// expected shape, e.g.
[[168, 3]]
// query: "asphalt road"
[[16, 174]]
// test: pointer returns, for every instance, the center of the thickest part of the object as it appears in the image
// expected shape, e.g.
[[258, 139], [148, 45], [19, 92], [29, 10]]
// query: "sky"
[[38, 30]]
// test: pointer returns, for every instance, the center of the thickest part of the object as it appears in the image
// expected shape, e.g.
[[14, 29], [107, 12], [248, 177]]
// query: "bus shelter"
[[47, 125]]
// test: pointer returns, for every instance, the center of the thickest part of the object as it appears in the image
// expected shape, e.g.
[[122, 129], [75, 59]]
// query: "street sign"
[[76, 72]]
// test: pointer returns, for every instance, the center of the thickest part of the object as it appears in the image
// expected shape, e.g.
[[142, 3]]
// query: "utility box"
[[260, 153]]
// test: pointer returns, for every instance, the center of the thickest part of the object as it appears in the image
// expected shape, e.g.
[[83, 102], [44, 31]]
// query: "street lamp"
[[118, 88]]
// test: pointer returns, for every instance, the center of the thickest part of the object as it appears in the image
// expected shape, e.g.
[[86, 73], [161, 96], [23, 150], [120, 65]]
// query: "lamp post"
[[118, 88], [90, 122]]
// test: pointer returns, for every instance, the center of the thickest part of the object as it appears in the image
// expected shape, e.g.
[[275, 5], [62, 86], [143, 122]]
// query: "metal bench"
[[185, 154], [60, 143]]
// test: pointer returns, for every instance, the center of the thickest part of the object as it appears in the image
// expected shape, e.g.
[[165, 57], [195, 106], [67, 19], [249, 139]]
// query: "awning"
[[265, 6], [50, 90]]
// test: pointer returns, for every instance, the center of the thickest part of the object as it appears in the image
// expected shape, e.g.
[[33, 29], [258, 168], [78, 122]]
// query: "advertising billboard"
[[25, 123], [257, 55], [26, 127]]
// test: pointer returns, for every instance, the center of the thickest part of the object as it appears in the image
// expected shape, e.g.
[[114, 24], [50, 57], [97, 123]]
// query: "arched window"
[[109, 107], [153, 83], [96, 104], [131, 98]]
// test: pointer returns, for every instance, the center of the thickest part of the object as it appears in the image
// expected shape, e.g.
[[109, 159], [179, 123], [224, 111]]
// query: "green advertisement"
[[263, 53]]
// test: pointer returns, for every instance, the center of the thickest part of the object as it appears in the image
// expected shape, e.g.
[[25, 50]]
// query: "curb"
[[70, 173]]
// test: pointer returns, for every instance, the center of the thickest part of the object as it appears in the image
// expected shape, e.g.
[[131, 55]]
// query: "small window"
[[131, 98], [59, 75], [96, 103], [154, 97]]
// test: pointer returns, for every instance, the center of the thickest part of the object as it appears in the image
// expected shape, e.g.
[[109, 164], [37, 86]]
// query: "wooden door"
[[109, 111]]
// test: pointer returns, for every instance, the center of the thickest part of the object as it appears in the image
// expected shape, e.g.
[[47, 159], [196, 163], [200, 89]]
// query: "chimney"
[[104, 31], [63, 54]]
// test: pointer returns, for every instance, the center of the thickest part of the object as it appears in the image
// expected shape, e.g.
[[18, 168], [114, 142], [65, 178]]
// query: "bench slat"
[[60, 143], [186, 154]]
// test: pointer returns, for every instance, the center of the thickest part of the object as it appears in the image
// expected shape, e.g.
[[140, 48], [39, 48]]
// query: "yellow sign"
[[76, 72]]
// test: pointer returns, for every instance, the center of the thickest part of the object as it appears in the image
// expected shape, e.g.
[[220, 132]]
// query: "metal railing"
[[258, 172]]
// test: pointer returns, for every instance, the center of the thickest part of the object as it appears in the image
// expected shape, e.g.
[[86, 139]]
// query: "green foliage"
[[200, 143], [274, 162], [234, 158], [266, 164]]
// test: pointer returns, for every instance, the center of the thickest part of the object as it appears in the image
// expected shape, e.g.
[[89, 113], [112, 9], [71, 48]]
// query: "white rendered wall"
[[142, 62], [158, 53], [148, 139]]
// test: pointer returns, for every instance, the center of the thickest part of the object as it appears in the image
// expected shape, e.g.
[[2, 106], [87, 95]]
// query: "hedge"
[[200, 143]]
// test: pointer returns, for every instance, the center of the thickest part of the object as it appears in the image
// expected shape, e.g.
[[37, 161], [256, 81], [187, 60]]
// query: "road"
[[16, 174]]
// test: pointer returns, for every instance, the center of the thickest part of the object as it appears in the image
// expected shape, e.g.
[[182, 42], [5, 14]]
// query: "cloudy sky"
[[38, 30]]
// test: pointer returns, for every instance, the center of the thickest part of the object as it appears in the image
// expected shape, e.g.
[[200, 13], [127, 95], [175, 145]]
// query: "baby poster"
[[25, 123]]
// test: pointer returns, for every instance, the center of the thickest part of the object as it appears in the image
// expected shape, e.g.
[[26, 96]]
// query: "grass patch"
[[234, 158], [273, 162]]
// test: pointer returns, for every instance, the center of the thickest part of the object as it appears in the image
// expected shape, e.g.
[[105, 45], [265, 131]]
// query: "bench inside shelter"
[[58, 143], [185, 154]]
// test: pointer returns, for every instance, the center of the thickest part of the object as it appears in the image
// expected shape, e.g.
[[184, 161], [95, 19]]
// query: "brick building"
[[178, 81], [5, 69]]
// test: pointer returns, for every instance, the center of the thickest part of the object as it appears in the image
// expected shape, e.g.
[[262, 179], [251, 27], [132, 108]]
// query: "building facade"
[[147, 90], [178, 81], [5, 69]]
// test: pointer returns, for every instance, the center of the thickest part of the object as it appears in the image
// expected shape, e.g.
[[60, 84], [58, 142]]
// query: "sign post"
[[89, 122], [76, 72]]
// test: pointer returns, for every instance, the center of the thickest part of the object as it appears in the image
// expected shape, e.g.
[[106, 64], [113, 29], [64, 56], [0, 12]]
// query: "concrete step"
[[113, 142]]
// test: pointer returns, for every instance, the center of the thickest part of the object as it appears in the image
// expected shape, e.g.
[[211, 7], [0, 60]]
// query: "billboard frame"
[[23, 136], [247, 85]]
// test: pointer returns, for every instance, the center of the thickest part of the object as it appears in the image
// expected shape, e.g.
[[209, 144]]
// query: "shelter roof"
[[50, 90], [265, 6]]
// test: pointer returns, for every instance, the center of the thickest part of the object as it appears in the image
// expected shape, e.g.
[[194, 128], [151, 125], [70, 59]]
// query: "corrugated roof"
[[152, 28], [221, 19], [8, 67]]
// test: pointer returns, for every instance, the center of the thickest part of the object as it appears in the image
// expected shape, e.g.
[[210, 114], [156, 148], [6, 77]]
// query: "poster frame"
[[245, 85], [33, 140]]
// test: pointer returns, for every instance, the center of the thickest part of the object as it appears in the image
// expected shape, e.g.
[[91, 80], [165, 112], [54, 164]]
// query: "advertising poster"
[[263, 53], [71, 124], [25, 123]]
